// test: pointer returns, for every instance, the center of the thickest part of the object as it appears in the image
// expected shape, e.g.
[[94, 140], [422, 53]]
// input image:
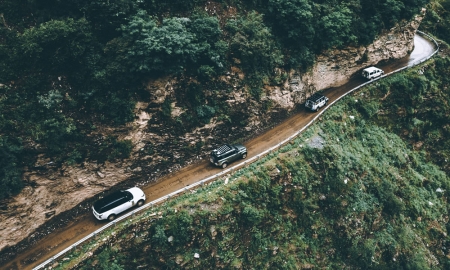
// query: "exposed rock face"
[[334, 67], [56, 190]]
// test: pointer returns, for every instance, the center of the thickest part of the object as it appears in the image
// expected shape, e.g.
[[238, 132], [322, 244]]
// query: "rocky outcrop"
[[334, 67]]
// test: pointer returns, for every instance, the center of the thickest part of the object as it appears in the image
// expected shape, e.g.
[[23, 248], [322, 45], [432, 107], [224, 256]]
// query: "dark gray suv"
[[225, 154]]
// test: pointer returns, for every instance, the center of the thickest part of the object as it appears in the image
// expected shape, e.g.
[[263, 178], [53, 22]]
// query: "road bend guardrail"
[[233, 168]]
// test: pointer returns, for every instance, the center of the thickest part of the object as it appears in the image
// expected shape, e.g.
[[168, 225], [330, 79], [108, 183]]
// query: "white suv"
[[372, 72], [316, 101], [110, 206]]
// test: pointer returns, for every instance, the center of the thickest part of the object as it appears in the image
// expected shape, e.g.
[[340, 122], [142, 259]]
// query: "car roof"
[[110, 198], [222, 149], [370, 69], [315, 97]]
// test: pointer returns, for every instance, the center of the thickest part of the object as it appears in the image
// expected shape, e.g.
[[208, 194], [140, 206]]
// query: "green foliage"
[[294, 23], [173, 45], [54, 46], [437, 20], [159, 237], [180, 227], [253, 44], [422, 101], [252, 216], [335, 28], [106, 16], [51, 100], [107, 259], [56, 132], [204, 113], [369, 108], [171, 6], [206, 73], [166, 109], [10, 172], [112, 149], [117, 107]]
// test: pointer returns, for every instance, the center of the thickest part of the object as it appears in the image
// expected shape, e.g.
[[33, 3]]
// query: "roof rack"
[[315, 97], [223, 149]]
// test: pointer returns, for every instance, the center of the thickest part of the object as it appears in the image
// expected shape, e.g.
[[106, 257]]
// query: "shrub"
[[112, 149], [173, 45], [159, 237], [253, 44], [370, 108], [166, 109], [205, 113], [10, 167], [180, 227]]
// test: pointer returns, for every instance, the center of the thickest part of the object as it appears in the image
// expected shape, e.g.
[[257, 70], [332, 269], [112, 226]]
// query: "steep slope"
[[92, 97], [346, 194]]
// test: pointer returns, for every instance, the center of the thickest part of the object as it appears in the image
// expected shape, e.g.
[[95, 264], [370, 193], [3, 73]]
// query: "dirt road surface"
[[82, 226]]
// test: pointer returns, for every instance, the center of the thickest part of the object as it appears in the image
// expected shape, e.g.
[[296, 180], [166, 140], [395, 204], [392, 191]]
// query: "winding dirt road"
[[86, 224]]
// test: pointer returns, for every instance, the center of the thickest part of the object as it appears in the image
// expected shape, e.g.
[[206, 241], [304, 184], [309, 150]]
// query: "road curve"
[[84, 225]]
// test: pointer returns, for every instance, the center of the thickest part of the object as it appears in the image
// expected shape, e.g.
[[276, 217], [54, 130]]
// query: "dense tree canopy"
[[172, 45]]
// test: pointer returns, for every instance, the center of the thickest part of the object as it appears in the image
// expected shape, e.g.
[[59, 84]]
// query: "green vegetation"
[[422, 99], [10, 172], [70, 67], [347, 193], [437, 21]]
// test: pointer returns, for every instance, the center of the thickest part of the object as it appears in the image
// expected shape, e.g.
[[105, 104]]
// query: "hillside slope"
[[347, 193], [98, 94]]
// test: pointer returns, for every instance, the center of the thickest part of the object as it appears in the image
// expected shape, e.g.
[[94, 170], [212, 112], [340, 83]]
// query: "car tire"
[[244, 155], [140, 203], [112, 217], [224, 165]]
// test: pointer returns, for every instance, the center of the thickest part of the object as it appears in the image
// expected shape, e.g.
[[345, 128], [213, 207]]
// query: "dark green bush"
[[166, 109], [252, 215], [159, 236], [112, 149], [172, 46], [253, 44], [205, 113], [10, 167]]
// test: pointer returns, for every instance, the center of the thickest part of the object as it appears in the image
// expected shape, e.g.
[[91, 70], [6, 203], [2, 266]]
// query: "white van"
[[372, 72]]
